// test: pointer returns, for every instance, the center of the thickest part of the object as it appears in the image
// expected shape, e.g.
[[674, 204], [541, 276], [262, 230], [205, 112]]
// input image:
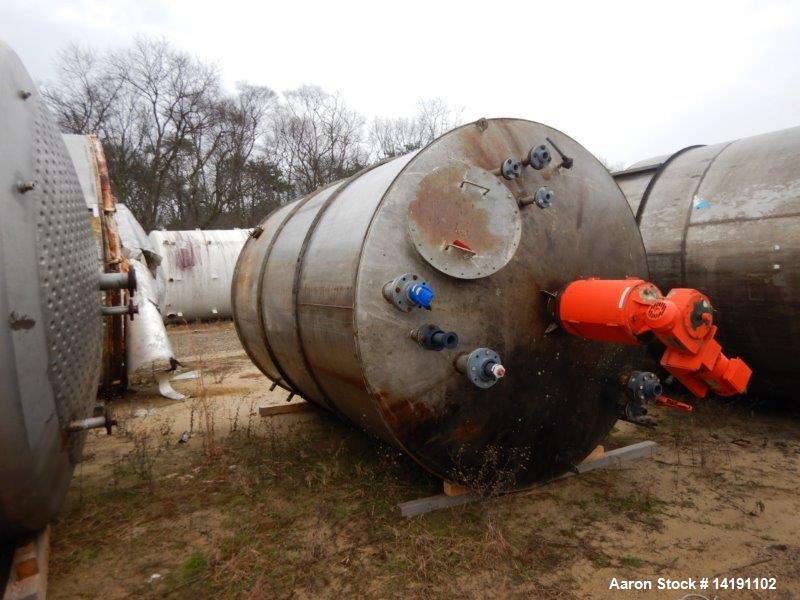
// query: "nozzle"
[[431, 337]]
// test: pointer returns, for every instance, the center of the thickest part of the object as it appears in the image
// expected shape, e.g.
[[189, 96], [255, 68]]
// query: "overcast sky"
[[628, 80]]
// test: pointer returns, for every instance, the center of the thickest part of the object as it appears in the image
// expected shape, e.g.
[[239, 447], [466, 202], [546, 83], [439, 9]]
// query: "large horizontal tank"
[[196, 271], [725, 219], [50, 329], [327, 295]]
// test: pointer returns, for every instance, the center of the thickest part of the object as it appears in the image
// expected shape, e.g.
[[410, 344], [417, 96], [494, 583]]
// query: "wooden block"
[[25, 560], [596, 453], [28, 580], [283, 409], [451, 489]]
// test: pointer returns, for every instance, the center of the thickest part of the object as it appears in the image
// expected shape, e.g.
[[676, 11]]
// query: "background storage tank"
[[196, 271], [50, 329], [330, 297], [725, 219]]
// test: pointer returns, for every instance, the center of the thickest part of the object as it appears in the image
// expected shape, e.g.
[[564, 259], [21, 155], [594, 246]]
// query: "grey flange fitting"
[[408, 291], [511, 168], [539, 157], [544, 197], [642, 388], [482, 367]]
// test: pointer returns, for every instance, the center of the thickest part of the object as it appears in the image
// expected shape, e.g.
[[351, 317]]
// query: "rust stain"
[[466, 431], [18, 322], [402, 411], [444, 211]]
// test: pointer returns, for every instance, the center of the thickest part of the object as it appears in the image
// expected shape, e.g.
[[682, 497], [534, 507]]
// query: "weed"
[[631, 561]]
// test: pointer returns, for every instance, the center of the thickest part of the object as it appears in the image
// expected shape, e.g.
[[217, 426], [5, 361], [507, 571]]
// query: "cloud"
[[628, 80]]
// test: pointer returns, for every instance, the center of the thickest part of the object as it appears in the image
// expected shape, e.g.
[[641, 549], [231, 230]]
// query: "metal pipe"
[[129, 309], [118, 281], [92, 423]]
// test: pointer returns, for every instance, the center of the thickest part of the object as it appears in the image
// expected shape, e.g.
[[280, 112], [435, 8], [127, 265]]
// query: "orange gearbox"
[[634, 311]]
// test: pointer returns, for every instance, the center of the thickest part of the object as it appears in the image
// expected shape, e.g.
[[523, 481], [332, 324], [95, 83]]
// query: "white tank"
[[196, 271]]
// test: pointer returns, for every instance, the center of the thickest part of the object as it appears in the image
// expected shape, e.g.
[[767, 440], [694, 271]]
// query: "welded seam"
[[262, 328], [790, 215], [691, 207], [298, 274], [651, 184]]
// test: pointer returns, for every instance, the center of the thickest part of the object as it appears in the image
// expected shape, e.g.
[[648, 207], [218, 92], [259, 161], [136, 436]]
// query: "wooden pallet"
[[454, 495], [28, 577]]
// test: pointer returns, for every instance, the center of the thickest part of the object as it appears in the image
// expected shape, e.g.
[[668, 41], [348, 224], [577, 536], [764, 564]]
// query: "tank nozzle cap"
[[421, 295]]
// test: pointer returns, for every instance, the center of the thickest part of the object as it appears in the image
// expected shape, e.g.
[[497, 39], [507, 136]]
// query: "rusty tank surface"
[[725, 219], [50, 329], [411, 300]]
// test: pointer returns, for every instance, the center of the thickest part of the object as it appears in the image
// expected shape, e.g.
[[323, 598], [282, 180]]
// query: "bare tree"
[[184, 153], [317, 138], [87, 94], [392, 137]]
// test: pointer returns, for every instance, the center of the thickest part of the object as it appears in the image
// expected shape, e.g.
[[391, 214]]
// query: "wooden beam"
[[284, 409], [611, 458]]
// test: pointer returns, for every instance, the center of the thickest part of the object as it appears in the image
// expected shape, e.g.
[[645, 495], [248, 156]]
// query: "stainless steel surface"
[[310, 309], [196, 271], [88, 159], [725, 219], [464, 221], [50, 323]]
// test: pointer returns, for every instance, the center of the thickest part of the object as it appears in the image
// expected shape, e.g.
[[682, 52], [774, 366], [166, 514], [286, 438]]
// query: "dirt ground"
[[303, 506]]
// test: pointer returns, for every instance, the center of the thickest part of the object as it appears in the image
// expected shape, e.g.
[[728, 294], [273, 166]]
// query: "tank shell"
[[309, 308], [50, 330], [725, 219], [196, 271]]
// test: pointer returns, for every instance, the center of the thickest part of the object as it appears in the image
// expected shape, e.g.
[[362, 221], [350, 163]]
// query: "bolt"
[[25, 186]]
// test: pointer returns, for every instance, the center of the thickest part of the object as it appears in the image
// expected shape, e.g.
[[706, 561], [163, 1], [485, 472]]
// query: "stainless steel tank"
[[196, 271], [49, 329], [328, 301], [725, 219]]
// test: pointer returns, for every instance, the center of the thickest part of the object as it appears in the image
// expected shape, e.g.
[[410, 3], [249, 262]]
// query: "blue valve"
[[421, 295], [407, 292]]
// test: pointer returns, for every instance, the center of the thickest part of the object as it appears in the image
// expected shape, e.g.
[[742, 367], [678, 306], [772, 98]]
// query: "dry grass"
[[279, 508]]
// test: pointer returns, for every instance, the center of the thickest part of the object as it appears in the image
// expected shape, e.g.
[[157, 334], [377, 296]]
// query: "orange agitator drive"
[[634, 311]]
